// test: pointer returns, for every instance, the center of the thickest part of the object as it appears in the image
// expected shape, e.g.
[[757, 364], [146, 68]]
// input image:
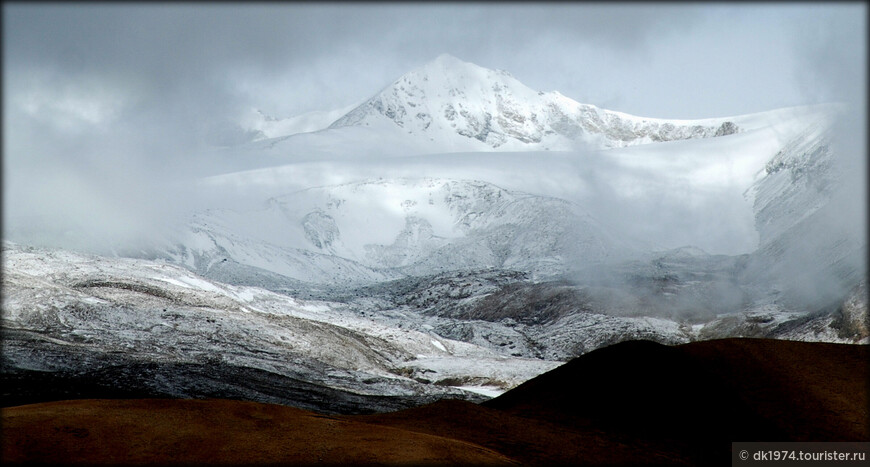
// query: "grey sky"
[[669, 61], [104, 103]]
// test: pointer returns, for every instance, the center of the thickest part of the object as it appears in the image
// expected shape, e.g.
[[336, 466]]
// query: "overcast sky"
[[667, 61], [99, 97]]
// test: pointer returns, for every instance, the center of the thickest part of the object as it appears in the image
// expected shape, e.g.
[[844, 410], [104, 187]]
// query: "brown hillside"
[[635, 403], [196, 432]]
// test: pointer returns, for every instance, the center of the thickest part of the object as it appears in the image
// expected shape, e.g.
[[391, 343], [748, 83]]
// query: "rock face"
[[449, 97], [320, 229], [852, 316]]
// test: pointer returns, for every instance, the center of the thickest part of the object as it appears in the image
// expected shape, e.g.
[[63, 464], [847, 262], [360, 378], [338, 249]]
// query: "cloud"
[[827, 257], [110, 108], [181, 48]]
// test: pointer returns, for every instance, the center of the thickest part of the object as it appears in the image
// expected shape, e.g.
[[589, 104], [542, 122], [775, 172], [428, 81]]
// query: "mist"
[[827, 256]]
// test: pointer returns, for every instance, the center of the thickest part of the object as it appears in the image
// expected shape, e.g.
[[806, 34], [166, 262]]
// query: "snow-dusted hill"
[[73, 314]]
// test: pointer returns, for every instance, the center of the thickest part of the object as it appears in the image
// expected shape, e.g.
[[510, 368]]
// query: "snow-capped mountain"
[[451, 106], [371, 231], [448, 97], [689, 183]]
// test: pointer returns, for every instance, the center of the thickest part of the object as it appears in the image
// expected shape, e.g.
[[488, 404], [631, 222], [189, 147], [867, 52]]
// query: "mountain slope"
[[812, 230], [267, 126], [191, 432], [385, 229], [155, 329]]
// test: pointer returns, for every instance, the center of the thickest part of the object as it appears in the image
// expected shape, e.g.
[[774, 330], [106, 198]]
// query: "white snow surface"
[[705, 180], [488, 391], [383, 229]]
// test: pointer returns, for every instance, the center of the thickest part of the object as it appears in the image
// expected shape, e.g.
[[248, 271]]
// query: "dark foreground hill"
[[635, 403]]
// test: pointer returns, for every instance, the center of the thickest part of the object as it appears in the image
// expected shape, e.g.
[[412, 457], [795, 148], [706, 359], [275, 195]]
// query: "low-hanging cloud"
[[110, 111]]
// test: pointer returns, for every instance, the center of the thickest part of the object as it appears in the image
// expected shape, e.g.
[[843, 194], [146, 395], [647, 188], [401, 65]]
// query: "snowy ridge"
[[72, 312], [451, 106], [449, 97], [267, 126], [712, 169]]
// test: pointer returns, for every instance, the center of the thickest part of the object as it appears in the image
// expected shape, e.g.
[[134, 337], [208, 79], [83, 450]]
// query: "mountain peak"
[[446, 59], [449, 64], [448, 96], [447, 72]]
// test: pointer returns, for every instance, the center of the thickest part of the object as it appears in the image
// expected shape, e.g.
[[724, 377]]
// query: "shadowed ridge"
[[810, 391], [530, 441], [706, 393], [640, 389]]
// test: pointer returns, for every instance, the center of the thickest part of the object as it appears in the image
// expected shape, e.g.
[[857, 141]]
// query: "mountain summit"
[[449, 97]]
